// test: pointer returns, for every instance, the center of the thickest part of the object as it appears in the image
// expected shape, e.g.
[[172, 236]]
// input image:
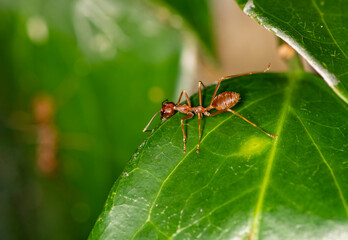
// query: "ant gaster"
[[222, 102]]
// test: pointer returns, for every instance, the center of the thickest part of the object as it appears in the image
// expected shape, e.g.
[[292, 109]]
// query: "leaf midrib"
[[255, 224]]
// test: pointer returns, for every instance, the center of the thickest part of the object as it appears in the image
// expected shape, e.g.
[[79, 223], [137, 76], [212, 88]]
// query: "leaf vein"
[[215, 209], [343, 200], [327, 28]]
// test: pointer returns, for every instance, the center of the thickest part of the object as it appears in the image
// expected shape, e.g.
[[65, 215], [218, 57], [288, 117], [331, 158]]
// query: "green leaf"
[[242, 184], [197, 14], [94, 96], [317, 29]]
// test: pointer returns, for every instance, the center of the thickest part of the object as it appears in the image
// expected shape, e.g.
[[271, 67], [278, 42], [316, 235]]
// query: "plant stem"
[[295, 64]]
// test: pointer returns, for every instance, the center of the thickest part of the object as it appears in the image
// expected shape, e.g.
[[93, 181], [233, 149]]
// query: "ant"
[[222, 102]]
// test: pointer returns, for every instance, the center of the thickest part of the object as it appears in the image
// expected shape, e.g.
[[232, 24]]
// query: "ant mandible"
[[222, 103]]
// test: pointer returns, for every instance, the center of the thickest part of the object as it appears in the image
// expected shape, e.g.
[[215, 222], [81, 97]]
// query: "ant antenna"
[[145, 129]]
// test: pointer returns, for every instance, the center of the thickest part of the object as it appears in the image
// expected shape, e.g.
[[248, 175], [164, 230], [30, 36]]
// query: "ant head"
[[167, 109]]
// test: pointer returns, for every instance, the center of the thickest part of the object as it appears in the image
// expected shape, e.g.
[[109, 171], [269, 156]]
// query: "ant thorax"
[[185, 109], [199, 110]]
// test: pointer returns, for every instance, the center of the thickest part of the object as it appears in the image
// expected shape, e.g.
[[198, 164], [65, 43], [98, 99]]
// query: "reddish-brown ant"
[[222, 103]]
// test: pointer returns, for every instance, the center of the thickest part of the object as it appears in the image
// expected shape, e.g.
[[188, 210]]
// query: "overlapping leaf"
[[317, 29], [243, 184], [197, 14]]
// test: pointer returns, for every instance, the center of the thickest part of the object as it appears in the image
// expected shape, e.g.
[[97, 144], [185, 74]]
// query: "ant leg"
[[216, 113], [200, 116], [201, 83], [199, 129], [217, 88], [190, 115], [268, 68], [180, 97], [200, 92], [233, 76], [187, 98], [274, 136]]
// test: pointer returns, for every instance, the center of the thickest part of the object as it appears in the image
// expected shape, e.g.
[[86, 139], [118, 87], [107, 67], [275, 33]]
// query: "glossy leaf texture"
[[197, 14], [243, 184], [317, 29]]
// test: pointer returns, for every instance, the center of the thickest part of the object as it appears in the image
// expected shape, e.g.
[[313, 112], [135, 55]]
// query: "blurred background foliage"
[[79, 81]]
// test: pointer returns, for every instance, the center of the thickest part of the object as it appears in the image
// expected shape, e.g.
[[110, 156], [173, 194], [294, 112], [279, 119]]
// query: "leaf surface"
[[317, 29], [243, 184]]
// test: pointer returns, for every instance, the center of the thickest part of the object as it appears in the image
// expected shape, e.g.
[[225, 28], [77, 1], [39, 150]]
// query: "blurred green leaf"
[[317, 29], [197, 14], [98, 86], [243, 184]]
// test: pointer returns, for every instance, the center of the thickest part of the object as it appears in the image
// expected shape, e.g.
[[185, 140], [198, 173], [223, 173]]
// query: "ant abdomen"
[[225, 100]]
